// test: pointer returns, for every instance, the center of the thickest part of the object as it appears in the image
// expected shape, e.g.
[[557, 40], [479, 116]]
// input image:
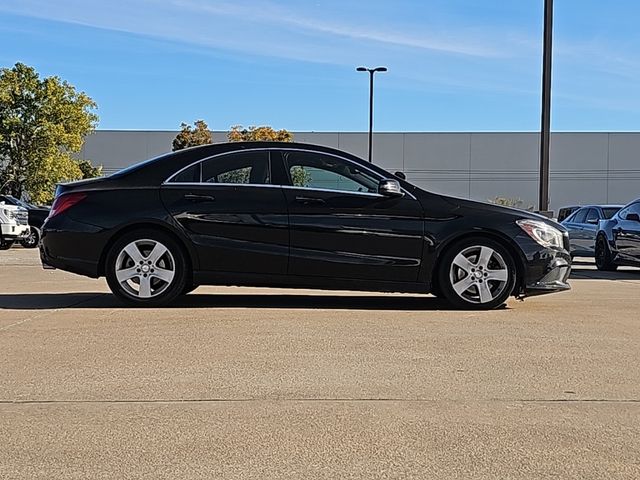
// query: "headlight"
[[544, 234]]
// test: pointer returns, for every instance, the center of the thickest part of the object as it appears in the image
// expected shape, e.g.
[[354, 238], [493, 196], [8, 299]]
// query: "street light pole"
[[545, 133], [371, 71]]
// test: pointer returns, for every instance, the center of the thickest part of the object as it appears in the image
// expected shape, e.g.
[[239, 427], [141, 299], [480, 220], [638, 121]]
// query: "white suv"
[[14, 224]]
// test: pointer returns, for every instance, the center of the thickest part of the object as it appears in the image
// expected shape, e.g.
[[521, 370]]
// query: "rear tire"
[[146, 268], [603, 256], [32, 240], [477, 273], [6, 244]]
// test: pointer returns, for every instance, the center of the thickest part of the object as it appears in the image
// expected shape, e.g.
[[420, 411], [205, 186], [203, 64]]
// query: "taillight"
[[65, 202]]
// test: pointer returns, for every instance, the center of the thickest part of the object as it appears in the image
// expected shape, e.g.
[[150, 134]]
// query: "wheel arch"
[[508, 243], [188, 251]]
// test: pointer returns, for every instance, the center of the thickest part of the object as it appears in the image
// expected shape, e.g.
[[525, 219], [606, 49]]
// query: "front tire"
[[146, 268], [6, 244], [603, 256], [477, 273]]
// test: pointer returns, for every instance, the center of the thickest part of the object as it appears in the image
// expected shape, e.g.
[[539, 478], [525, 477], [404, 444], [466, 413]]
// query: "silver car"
[[583, 226]]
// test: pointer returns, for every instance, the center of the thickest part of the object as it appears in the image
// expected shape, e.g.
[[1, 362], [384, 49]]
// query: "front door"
[[232, 213], [341, 227]]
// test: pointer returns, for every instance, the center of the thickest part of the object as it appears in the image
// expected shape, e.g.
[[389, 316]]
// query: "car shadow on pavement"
[[587, 272], [48, 301]]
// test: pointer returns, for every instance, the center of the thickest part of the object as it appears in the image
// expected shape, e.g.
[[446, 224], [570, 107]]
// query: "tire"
[[6, 244], [603, 256], [32, 240], [146, 268], [477, 273]]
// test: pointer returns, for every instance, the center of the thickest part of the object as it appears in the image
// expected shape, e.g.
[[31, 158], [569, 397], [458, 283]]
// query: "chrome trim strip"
[[269, 149]]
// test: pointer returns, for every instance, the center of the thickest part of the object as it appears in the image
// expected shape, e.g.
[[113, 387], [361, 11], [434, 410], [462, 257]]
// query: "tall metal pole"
[[372, 72], [543, 198]]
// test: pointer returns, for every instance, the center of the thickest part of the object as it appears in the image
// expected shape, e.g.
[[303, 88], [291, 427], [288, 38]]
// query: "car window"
[[609, 212], [635, 208], [580, 216], [592, 214], [322, 171], [238, 168], [191, 174]]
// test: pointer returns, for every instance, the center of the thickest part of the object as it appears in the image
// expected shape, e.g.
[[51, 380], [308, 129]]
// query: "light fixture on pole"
[[371, 71]]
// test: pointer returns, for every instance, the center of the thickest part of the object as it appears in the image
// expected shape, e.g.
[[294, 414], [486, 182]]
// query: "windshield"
[[609, 212]]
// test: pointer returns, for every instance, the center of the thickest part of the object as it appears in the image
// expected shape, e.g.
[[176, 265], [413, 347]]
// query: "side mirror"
[[634, 217], [390, 188]]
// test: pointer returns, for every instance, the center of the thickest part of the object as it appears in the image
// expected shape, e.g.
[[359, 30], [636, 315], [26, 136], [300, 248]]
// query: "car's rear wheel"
[[603, 256], [146, 268], [32, 240], [6, 244], [477, 273]]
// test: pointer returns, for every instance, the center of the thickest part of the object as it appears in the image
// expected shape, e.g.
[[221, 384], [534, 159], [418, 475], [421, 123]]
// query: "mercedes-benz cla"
[[298, 216]]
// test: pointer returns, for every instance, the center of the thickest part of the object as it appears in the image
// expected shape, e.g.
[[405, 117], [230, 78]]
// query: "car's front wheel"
[[603, 256], [477, 273], [146, 268]]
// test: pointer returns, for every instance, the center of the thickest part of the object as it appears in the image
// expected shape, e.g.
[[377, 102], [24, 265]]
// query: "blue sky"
[[454, 65]]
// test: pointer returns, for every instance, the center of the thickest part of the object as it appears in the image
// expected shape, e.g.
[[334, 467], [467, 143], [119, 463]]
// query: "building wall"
[[585, 167]]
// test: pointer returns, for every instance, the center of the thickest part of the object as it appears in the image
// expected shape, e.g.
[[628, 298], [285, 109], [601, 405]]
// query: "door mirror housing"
[[634, 217], [390, 188]]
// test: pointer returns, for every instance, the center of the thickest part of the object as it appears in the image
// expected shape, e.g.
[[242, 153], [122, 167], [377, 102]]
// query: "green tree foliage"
[[192, 137], [238, 133], [511, 202], [258, 134], [88, 170], [43, 122]]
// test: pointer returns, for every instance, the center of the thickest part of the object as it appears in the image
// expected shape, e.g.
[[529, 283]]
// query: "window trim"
[[168, 182]]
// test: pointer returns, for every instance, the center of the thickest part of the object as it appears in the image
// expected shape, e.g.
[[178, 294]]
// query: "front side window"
[[321, 171], [580, 216], [635, 208], [592, 215]]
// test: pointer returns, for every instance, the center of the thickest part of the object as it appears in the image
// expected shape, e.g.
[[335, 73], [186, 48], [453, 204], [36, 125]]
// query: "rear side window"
[[188, 175], [238, 168]]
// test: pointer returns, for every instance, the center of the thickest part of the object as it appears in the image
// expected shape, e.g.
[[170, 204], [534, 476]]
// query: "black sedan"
[[295, 215], [618, 239]]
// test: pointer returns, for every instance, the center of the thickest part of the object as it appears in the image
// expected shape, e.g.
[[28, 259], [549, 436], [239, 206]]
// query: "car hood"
[[492, 209]]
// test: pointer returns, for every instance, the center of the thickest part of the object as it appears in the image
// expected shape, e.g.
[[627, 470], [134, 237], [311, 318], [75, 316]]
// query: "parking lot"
[[263, 383]]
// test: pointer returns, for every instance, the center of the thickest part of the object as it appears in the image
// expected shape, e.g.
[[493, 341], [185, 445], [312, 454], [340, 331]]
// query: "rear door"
[[235, 217], [575, 226], [340, 227]]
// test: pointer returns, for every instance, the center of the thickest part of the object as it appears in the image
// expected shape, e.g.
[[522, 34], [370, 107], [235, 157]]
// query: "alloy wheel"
[[479, 274], [145, 268]]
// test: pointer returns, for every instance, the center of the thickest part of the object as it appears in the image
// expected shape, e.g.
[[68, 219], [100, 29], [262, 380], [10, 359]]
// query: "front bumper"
[[15, 232], [555, 279]]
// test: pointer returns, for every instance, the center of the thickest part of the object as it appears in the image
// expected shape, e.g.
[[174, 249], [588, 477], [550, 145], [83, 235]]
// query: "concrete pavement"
[[259, 383]]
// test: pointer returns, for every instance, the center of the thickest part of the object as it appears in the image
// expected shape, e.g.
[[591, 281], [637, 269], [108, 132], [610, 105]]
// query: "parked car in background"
[[583, 226], [14, 225], [300, 216], [564, 212], [618, 239], [37, 215]]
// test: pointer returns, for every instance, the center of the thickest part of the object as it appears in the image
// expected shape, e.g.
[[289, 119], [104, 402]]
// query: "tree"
[[43, 122], [192, 137], [88, 170], [258, 134]]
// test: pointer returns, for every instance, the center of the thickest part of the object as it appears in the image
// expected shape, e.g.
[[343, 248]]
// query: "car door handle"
[[310, 201], [199, 198]]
